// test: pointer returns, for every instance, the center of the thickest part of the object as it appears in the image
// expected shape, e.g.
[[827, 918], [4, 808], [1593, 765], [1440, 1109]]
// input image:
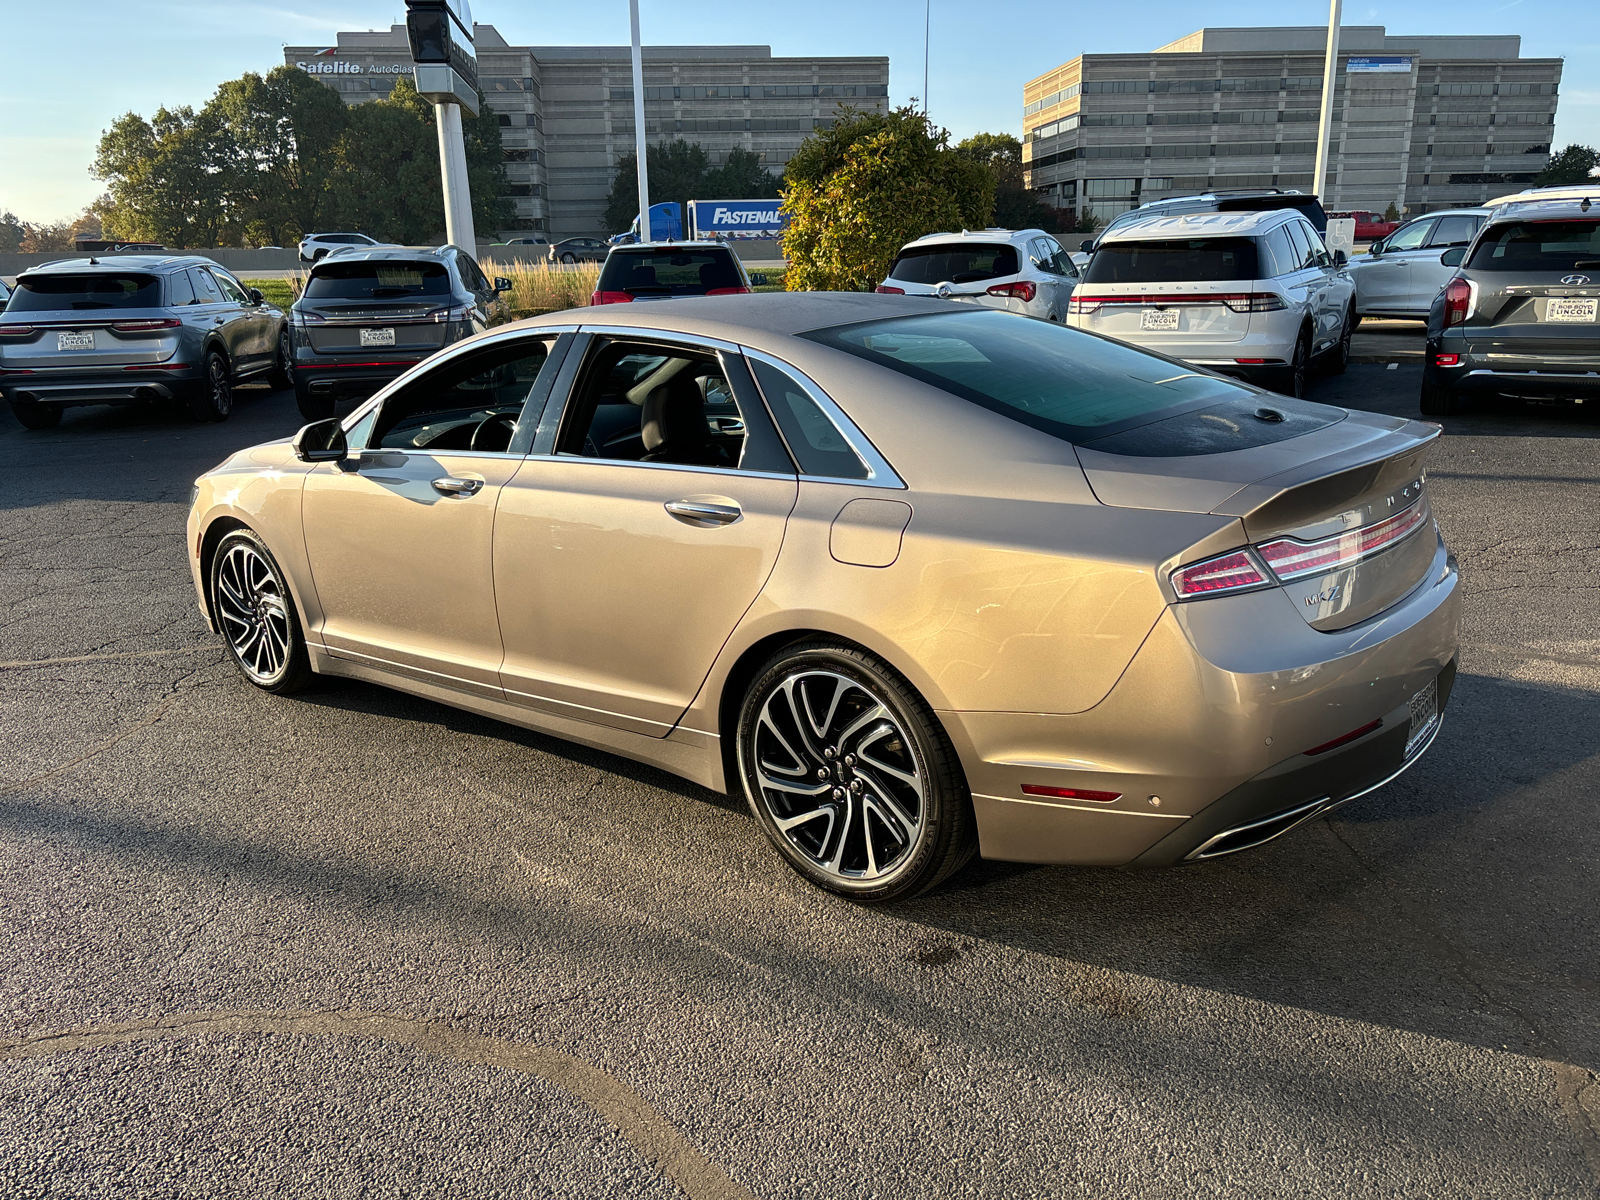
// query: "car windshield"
[[377, 281], [41, 293], [669, 272], [962, 263], [1174, 261], [1560, 245], [1067, 383]]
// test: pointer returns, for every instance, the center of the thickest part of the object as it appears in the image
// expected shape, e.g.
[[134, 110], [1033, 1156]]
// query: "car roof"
[[764, 318], [153, 263], [380, 253], [631, 247], [1543, 209], [1466, 211], [1562, 191], [977, 235], [1211, 224]]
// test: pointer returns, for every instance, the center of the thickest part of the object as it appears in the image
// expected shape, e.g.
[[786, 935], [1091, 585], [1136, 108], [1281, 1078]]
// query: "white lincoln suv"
[[1253, 294], [1023, 270]]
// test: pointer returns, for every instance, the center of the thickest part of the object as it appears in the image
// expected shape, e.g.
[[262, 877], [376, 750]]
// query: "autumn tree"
[[859, 191], [1015, 206]]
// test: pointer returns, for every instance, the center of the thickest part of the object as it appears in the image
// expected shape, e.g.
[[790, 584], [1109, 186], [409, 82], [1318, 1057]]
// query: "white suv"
[[1023, 271], [1253, 294], [315, 246]]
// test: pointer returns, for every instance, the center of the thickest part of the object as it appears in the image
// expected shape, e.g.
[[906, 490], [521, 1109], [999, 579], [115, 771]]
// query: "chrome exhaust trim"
[[1266, 830]]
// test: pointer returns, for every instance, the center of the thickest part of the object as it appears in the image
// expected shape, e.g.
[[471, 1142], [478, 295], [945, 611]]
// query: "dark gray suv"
[[367, 315], [135, 328], [1521, 317]]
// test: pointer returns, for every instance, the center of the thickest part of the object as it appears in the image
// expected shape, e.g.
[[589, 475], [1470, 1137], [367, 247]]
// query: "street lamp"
[[440, 32]]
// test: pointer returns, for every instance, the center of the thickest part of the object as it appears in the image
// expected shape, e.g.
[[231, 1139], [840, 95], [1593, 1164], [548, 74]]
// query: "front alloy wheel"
[[851, 776], [256, 615]]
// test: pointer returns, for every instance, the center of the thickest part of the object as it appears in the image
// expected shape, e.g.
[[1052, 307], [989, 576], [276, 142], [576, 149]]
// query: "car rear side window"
[[670, 272], [1066, 383], [43, 293], [179, 290], [205, 287], [1278, 254], [958, 263], [1559, 245], [814, 440], [377, 280], [1174, 260]]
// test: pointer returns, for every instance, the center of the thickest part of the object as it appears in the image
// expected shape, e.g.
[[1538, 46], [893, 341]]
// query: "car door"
[[400, 535], [1331, 294], [639, 532], [1044, 277], [1427, 274], [1386, 279], [235, 319], [260, 321], [1306, 282], [214, 313]]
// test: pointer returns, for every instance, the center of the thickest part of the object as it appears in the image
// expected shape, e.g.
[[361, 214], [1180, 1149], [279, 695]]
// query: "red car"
[[1370, 226]]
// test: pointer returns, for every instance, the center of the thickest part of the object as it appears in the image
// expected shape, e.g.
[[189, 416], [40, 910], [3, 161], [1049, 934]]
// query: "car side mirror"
[[1376, 249], [1340, 258], [758, 279], [1087, 245], [501, 284], [1453, 256], [321, 441], [255, 296]]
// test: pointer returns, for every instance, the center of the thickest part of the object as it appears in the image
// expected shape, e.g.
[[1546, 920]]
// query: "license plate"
[[1424, 717], [74, 341], [1158, 318], [1570, 310], [377, 337]]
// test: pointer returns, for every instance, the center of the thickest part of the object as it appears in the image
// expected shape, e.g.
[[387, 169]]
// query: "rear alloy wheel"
[[31, 414], [1294, 376], [1339, 356], [214, 400], [569, 257], [851, 776], [256, 615], [282, 373]]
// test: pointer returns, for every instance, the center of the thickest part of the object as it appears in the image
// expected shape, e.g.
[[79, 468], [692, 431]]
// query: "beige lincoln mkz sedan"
[[918, 580]]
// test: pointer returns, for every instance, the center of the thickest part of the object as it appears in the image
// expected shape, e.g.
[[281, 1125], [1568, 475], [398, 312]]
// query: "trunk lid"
[[371, 326], [88, 340], [1338, 509], [1153, 313]]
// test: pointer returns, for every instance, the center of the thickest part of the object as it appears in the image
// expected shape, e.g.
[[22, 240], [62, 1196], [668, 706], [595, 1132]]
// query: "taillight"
[[1457, 301], [1234, 572], [305, 317], [460, 312], [1085, 304], [1255, 302], [889, 291], [1016, 291], [16, 330], [611, 298], [143, 326], [1240, 302], [1290, 559], [1062, 793], [1447, 360], [738, 291]]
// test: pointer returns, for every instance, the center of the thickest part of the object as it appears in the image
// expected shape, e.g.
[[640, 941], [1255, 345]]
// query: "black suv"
[[1243, 200], [1521, 317], [663, 270], [367, 315]]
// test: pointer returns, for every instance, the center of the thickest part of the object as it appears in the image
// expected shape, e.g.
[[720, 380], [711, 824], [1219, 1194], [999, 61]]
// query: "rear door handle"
[[696, 512], [457, 487]]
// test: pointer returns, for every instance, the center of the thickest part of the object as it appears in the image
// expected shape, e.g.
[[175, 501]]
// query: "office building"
[[1420, 122], [566, 112]]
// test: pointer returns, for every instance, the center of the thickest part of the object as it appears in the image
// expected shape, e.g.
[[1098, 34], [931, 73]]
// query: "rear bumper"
[[330, 377], [114, 386], [1509, 369]]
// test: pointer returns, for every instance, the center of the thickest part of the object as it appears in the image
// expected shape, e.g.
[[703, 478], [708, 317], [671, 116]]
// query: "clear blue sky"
[[140, 54]]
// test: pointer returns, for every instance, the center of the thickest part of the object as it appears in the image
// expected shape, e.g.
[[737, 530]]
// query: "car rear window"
[[965, 263], [669, 272], [1197, 260], [1561, 245], [377, 281], [1067, 383], [42, 293]]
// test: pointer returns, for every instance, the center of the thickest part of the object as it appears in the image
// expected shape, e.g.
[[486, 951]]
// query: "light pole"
[[1330, 76], [641, 144], [440, 32]]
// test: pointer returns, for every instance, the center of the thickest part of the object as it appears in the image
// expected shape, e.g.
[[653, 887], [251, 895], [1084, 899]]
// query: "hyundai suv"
[[1521, 317], [135, 329], [367, 315], [1024, 271], [1252, 294]]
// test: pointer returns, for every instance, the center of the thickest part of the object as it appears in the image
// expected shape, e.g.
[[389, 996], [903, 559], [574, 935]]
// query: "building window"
[[1053, 98]]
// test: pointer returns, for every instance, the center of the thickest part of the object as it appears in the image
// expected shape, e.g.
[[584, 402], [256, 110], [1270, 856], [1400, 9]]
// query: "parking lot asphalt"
[[356, 943]]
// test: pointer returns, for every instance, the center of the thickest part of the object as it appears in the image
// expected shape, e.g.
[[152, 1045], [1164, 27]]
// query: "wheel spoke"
[[883, 797], [875, 713]]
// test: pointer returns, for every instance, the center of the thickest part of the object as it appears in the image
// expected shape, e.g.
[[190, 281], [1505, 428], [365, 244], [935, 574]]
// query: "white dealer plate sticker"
[[74, 341], [1158, 318], [377, 337], [1570, 310]]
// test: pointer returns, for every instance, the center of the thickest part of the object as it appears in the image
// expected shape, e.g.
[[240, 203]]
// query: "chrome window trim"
[[879, 473], [647, 332], [720, 472]]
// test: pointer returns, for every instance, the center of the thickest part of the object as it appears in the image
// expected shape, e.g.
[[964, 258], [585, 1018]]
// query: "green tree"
[[388, 185], [859, 191], [1575, 164], [1391, 213], [11, 232], [741, 177], [678, 172], [1015, 207], [168, 178]]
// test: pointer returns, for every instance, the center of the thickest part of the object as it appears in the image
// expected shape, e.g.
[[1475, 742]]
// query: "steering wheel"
[[493, 434]]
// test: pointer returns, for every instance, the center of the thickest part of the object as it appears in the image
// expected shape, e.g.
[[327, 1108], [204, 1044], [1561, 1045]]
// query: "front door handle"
[[701, 512], [457, 487]]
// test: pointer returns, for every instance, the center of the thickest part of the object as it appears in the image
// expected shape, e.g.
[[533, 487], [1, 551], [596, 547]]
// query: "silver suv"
[[316, 246], [1400, 274], [1024, 271]]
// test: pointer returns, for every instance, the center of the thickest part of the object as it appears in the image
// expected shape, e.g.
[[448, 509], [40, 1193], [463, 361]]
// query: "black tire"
[[313, 407], [282, 373], [318, 255], [1339, 356], [213, 399], [256, 615], [1438, 399], [907, 800], [30, 414], [1292, 381], [569, 257]]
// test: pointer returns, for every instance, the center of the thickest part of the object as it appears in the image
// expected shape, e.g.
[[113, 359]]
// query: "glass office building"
[[1420, 122]]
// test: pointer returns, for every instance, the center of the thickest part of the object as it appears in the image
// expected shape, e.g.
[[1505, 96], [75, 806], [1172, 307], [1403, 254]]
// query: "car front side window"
[[1410, 237], [1453, 231], [474, 403]]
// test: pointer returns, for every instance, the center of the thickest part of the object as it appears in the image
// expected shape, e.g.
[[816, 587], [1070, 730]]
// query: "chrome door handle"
[[700, 511], [457, 487]]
